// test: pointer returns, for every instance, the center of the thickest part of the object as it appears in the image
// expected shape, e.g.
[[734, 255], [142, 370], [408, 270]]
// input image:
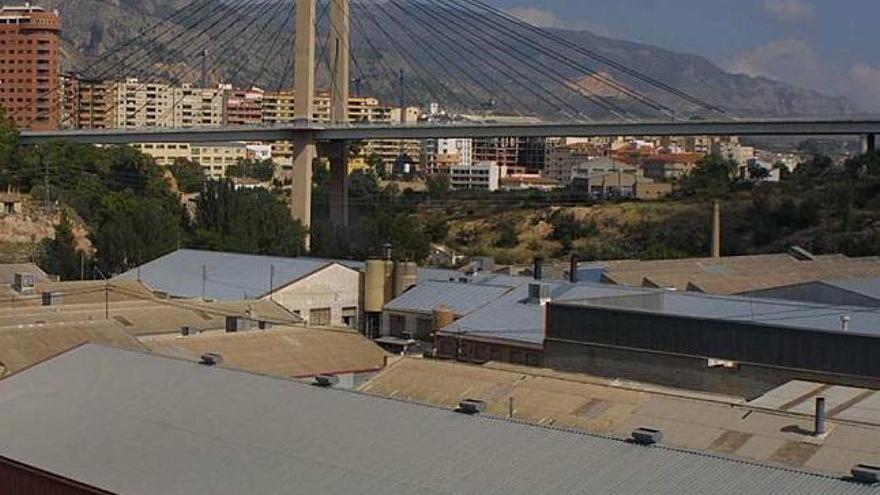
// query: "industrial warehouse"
[[98, 420], [773, 392]]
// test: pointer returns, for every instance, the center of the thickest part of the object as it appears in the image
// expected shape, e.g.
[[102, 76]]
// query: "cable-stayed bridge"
[[493, 76]]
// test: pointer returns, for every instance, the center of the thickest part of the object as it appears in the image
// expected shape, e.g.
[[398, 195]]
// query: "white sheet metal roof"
[[129, 422]]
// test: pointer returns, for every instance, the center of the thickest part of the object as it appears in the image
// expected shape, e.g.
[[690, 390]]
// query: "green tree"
[[508, 237], [189, 175], [8, 144], [439, 186], [567, 228], [375, 163], [437, 229], [261, 170], [132, 230], [246, 221], [60, 255], [713, 173]]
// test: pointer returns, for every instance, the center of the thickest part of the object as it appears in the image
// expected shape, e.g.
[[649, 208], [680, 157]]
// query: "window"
[[319, 317], [424, 328], [722, 364], [350, 317], [397, 325]]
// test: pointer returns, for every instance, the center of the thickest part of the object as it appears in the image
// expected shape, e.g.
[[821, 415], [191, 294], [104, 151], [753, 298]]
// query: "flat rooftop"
[[292, 352], [774, 428], [128, 422]]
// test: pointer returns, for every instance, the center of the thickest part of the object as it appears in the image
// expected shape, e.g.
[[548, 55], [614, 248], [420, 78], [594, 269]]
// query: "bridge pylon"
[[869, 143], [340, 56], [304, 149]]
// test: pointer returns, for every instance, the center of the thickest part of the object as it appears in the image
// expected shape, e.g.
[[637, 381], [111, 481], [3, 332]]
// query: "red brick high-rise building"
[[30, 63]]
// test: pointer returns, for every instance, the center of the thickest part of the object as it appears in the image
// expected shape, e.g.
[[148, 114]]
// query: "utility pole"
[[271, 282], [204, 280], [45, 182], [304, 149], [106, 292]]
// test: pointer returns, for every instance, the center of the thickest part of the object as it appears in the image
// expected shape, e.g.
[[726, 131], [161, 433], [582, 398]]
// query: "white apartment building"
[[439, 155], [481, 176], [198, 107], [216, 158], [165, 154], [600, 166], [561, 159], [141, 104]]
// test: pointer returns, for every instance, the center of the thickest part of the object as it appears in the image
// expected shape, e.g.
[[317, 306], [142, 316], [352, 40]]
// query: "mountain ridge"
[[91, 27]]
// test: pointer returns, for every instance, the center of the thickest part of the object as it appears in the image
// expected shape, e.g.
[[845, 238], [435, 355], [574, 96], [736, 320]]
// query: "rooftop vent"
[[24, 283], [211, 359], [326, 381], [471, 406], [238, 324], [866, 474], [647, 436], [539, 293], [538, 268], [52, 298]]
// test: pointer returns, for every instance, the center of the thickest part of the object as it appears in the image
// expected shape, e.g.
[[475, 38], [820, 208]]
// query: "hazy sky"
[[831, 45]]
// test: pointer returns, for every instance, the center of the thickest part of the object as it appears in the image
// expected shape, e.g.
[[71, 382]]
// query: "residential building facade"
[[30, 63]]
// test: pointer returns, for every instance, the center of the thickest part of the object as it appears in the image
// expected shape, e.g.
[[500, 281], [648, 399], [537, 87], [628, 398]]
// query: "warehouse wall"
[[744, 342], [689, 372], [18, 479]]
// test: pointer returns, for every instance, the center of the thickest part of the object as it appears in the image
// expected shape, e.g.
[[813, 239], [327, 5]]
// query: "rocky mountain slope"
[[94, 26]]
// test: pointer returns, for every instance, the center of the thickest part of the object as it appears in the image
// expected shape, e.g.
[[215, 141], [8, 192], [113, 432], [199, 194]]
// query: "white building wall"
[[335, 287], [481, 176]]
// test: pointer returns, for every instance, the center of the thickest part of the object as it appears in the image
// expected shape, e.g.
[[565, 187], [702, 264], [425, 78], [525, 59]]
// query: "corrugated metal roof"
[[281, 351], [128, 422], [229, 276], [514, 317], [864, 321], [459, 297], [868, 287], [760, 430]]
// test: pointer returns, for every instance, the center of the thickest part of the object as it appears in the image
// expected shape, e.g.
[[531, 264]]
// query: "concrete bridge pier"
[[869, 143], [340, 54], [304, 149], [337, 152]]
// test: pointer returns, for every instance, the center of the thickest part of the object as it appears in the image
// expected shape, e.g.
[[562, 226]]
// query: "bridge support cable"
[[147, 56], [270, 11], [239, 8], [359, 29], [516, 103], [224, 23], [414, 65], [515, 38], [477, 32], [446, 64], [511, 41], [592, 54], [272, 15]]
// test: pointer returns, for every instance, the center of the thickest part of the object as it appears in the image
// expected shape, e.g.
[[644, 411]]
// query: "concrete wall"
[[411, 325], [479, 352], [745, 380], [335, 287], [18, 479]]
